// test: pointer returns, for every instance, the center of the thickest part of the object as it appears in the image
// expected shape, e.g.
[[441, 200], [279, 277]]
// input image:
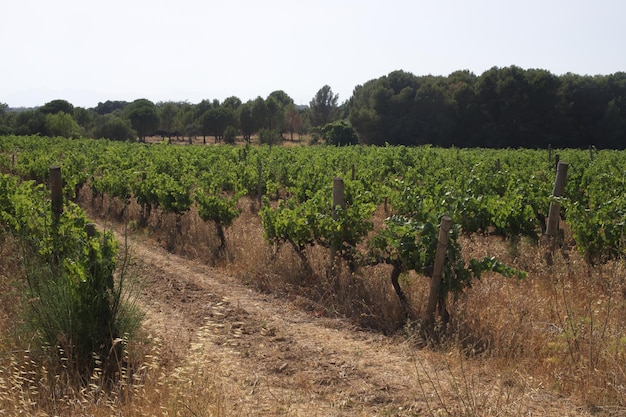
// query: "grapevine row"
[[504, 192]]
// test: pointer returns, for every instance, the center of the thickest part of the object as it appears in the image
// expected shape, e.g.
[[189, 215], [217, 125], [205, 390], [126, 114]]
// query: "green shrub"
[[339, 133], [269, 137], [77, 307], [230, 135]]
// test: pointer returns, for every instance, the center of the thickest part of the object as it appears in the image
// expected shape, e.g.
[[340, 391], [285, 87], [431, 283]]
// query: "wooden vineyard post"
[[339, 200], [440, 257], [56, 197], [90, 228], [555, 208], [557, 158], [56, 191], [549, 152], [554, 214], [260, 183], [339, 197]]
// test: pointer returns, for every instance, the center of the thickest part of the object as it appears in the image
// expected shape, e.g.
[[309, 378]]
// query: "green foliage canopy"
[[144, 117], [323, 107]]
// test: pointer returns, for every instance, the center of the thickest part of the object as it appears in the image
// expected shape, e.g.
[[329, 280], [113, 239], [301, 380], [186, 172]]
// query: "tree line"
[[272, 119], [502, 107]]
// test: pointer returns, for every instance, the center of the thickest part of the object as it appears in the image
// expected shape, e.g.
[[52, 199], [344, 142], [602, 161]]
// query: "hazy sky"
[[188, 50]]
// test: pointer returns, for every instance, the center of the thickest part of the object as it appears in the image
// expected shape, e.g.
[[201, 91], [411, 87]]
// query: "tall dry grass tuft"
[[459, 386], [32, 385], [34, 382], [588, 308], [564, 323], [11, 288]]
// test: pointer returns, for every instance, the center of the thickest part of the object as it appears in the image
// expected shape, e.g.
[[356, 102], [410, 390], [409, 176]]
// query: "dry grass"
[[563, 325], [34, 386], [34, 382], [558, 334]]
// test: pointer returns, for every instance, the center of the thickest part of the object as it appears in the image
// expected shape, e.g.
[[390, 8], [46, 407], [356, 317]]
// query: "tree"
[[583, 104], [30, 122], [202, 107], [435, 113], [269, 137], [62, 124], [468, 115], [339, 133], [542, 118], [57, 106], [168, 112], [614, 121], [383, 110], [273, 113], [259, 113], [232, 103], [246, 120], [230, 135], [85, 119], [110, 106], [202, 119], [113, 127], [323, 107], [144, 117], [216, 120], [184, 117], [294, 121], [192, 130], [281, 98], [5, 128], [277, 104]]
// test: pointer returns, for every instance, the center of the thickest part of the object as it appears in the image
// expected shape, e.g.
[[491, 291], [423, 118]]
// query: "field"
[[257, 325]]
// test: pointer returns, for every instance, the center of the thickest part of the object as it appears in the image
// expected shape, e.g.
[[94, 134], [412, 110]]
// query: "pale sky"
[[86, 52]]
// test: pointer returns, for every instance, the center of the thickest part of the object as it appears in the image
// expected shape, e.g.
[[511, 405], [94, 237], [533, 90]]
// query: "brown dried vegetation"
[[250, 333]]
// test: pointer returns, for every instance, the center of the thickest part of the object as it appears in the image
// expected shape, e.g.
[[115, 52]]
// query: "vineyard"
[[502, 192], [393, 201], [505, 193]]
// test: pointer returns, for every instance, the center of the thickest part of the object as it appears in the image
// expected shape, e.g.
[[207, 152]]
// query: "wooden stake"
[[440, 257], [555, 208], [557, 158], [260, 183], [549, 152], [339, 200], [56, 191]]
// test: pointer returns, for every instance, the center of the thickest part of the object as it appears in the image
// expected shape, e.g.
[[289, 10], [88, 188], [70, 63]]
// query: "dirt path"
[[271, 357]]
